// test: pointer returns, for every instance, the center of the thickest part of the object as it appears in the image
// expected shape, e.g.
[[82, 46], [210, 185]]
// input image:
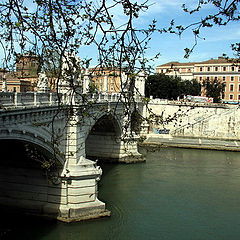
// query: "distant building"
[[112, 80], [176, 69], [106, 79], [221, 69], [27, 69], [27, 66], [25, 77]]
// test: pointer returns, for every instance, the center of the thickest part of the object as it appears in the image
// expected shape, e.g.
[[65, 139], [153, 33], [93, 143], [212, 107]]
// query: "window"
[[238, 97], [239, 87], [208, 68], [231, 87], [224, 79], [233, 68], [216, 69], [208, 78], [201, 69], [224, 68], [231, 96], [232, 78], [200, 78], [216, 78]]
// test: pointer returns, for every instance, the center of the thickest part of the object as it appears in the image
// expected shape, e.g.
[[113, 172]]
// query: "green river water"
[[178, 194]]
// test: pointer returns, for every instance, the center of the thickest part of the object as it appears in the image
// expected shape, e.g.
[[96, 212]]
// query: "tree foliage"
[[168, 87], [215, 89], [50, 28], [46, 26]]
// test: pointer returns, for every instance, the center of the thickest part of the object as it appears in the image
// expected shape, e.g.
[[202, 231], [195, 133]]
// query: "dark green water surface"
[[178, 194]]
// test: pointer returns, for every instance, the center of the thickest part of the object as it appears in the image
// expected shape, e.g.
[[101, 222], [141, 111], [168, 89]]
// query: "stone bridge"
[[46, 147]]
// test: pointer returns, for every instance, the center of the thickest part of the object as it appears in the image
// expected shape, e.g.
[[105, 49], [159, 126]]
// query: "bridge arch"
[[27, 154], [136, 121], [28, 180], [104, 139], [31, 137]]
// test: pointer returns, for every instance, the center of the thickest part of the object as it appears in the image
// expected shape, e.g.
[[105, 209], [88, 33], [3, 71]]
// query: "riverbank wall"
[[156, 141], [192, 120]]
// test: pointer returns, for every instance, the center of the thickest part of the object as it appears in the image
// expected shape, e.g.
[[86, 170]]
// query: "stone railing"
[[105, 97], [31, 99], [9, 99]]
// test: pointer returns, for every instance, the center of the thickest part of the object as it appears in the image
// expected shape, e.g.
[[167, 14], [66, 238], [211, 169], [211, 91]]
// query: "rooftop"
[[210, 61]]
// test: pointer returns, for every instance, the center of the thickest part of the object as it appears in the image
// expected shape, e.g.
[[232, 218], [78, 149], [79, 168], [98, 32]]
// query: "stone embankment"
[[193, 125], [156, 141]]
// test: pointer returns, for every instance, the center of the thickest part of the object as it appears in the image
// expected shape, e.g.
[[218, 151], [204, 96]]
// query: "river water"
[[178, 194]]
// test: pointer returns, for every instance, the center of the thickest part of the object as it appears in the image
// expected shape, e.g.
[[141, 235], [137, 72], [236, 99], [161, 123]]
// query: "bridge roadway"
[[54, 176]]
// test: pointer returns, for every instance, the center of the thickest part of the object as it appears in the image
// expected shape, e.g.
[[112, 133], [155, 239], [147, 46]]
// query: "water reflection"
[[178, 194]]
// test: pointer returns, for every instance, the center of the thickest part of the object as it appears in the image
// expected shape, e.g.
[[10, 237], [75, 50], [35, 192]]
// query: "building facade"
[[106, 80], [25, 78], [112, 80], [225, 70], [177, 69]]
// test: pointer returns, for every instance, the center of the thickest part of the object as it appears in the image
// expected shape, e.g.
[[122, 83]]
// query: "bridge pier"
[[108, 141], [81, 203], [111, 149], [129, 152], [79, 179]]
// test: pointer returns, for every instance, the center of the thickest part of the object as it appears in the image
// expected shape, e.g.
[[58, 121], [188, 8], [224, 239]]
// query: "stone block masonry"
[[196, 120]]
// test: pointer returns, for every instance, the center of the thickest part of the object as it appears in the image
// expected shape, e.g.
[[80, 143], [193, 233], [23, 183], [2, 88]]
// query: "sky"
[[215, 41]]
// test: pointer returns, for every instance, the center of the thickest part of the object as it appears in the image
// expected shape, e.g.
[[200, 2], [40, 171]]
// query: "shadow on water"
[[24, 188], [16, 225], [178, 194]]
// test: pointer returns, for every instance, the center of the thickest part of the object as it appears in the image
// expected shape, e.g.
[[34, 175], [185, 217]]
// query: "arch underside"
[[29, 137], [26, 174], [103, 141]]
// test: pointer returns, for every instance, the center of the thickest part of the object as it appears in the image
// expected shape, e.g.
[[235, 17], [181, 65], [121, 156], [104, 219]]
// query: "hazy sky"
[[217, 39]]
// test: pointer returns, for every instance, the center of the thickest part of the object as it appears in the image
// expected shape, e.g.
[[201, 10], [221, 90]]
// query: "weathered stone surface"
[[213, 121]]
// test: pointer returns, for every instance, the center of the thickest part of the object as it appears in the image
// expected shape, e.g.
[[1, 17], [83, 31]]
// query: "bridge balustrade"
[[11, 99], [6, 98], [105, 97]]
